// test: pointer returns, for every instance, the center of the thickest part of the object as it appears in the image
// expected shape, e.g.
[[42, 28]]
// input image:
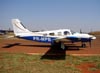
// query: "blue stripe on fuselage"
[[75, 39], [39, 38]]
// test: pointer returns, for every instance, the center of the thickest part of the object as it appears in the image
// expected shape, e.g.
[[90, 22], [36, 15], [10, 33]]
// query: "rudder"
[[18, 27]]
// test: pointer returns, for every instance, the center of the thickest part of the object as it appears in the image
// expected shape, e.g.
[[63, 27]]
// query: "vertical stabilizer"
[[18, 27]]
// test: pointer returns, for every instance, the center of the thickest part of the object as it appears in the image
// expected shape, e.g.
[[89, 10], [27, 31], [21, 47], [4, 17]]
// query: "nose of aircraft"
[[92, 37]]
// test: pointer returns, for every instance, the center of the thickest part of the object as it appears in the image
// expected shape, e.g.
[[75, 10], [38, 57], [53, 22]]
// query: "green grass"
[[23, 63], [95, 68]]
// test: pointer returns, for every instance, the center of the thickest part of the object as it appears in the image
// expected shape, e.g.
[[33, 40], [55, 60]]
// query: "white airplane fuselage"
[[49, 36]]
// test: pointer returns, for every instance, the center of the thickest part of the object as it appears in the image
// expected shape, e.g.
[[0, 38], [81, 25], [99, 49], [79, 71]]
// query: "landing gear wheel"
[[83, 45], [59, 45], [62, 46]]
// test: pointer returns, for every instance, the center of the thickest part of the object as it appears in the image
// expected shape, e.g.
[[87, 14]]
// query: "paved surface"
[[25, 46]]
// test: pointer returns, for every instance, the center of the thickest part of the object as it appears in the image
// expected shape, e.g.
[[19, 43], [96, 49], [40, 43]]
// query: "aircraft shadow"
[[11, 45], [55, 47], [19, 44], [54, 53], [57, 53], [36, 45]]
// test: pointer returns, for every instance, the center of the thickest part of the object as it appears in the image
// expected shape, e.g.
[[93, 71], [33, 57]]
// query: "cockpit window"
[[72, 32], [66, 32], [45, 34], [59, 34]]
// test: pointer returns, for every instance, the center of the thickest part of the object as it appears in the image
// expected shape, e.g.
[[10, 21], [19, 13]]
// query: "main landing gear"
[[62, 46], [83, 45], [58, 44]]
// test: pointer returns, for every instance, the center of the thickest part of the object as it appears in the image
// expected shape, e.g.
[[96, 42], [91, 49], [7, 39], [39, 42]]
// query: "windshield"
[[73, 32]]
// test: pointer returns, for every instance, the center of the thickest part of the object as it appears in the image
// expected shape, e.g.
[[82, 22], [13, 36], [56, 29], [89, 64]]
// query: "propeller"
[[91, 38], [90, 43]]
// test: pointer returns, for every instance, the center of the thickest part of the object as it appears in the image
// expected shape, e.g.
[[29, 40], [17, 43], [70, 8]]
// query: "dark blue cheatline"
[[39, 38], [76, 39]]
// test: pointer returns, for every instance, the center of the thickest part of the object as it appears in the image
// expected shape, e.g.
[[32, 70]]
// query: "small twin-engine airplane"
[[53, 36]]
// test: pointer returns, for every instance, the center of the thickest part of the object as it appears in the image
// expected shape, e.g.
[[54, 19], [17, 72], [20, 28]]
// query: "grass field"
[[24, 63]]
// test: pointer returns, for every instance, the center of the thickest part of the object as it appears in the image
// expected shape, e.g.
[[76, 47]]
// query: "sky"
[[51, 14]]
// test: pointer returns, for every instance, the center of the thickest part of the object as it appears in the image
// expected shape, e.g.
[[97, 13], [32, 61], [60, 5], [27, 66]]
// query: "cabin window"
[[51, 34], [66, 32], [45, 34], [59, 34]]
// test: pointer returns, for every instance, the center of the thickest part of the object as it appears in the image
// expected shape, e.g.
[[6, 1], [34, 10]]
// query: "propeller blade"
[[90, 43]]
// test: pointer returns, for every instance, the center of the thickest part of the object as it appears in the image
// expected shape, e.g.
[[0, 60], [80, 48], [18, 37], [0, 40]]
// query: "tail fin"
[[19, 29]]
